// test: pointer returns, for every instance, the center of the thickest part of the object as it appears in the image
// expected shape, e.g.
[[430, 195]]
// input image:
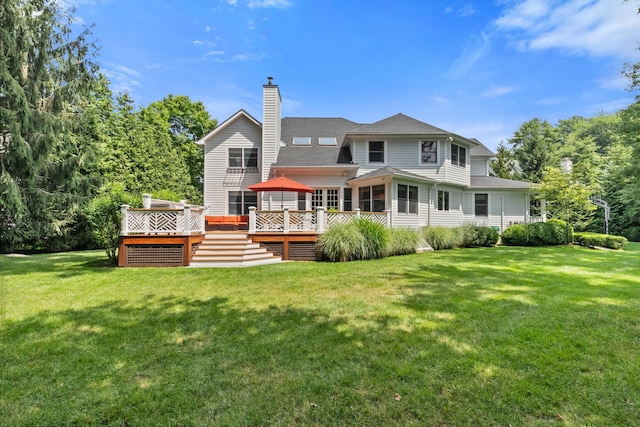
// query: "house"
[[420, 174]]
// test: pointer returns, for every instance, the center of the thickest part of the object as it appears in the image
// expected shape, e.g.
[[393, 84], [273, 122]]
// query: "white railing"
[[308, 221], [188, 220]]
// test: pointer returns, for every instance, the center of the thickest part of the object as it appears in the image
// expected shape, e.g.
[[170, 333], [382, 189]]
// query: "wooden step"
[[231, 249]]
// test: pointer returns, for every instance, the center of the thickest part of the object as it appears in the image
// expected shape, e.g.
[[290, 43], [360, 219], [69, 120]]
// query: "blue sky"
[[476, 68]]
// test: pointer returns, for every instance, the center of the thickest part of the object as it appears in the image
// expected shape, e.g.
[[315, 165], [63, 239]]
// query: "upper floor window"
[[428, 152], [376, 151], [407, 199], [244, 159], [458, 155], [301, 140]]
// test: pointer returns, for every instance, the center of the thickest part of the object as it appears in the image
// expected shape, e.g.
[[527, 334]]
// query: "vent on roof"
[[327, 141], [301, 140]]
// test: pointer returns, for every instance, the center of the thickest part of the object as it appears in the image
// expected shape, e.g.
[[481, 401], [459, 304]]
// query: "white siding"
[[479, 167], [217, 181], [505, 208], [271, 131], [455, 215]]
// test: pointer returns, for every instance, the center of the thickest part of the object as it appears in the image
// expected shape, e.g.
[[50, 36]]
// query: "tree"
[[504, 165], [138, 153], [45, 73], [533, 144], [567, 199], [185, 122]]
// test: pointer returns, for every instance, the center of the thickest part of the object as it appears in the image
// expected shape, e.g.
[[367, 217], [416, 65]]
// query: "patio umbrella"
[[282, 184]]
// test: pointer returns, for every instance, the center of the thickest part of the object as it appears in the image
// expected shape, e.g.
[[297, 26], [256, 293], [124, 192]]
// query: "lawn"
[[493, 336]]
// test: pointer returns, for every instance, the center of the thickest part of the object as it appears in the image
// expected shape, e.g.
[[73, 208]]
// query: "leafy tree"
[[533, 144], [138, 153], [186, 122], [44, 74], [567, 198], [504, 165]]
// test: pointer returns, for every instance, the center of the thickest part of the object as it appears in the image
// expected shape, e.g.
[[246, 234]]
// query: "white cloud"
[[123, 79], [279, 4], [550, 101], [470, 57], [591, 27], [495, 91], [290, 106], [615, 82]]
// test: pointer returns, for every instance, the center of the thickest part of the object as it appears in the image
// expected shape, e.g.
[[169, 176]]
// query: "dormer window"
[[428, 152], [327, 141], [301, 140]]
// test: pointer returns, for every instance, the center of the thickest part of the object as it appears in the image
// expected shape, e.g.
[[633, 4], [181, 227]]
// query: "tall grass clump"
[[402, 241], [375, 236], [439, 237], [342, 242]]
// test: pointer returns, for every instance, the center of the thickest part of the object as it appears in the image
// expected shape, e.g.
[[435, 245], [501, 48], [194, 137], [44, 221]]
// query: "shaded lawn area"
[[492, 336]]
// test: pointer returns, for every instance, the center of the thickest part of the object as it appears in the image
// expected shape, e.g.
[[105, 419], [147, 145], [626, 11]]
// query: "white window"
[[240, 201], [328, 198], [481, 204], [443, 200], [376, 152], [428, 152], [407, 199], [458, 155], [372, 199], [244, 159]]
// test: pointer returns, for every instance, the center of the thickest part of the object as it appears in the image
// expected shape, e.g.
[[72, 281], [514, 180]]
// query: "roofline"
[[226, 123], [454, 136]]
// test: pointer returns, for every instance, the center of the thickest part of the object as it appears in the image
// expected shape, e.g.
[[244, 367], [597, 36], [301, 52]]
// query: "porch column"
[[285, 218], [124, 222], [252, 219], [187, 219], [358, 213], [543, 210], [320, 219], [388, 212]]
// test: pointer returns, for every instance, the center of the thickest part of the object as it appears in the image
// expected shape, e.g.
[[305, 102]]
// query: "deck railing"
[[318, 221], [188, 220]]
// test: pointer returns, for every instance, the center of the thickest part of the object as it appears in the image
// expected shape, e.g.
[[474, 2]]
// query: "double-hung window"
[[372, 199], [244, 159], [407, 199], [376, 151], [481, 203], [443, 200], [458, 155]]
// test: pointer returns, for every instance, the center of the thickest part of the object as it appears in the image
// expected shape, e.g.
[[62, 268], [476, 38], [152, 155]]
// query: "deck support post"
[[252, 219], [124, 223], [146, 201], [358, 213], [320, 219]]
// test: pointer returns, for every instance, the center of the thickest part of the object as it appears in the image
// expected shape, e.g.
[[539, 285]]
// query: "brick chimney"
[[271, 128]]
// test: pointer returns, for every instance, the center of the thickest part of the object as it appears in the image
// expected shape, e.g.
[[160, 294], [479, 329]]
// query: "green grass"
[[491, 336]]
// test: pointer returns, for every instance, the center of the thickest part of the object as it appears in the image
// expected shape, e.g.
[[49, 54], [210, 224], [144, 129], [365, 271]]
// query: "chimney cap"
[[269, 80]]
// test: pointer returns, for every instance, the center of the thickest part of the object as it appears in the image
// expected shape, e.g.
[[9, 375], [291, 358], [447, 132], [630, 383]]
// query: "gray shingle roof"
[[388, 170], [495, 182], [400, 125], [481, 150], [314, 154]]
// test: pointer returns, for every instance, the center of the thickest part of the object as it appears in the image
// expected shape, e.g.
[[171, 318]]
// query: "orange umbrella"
[[282, 184]]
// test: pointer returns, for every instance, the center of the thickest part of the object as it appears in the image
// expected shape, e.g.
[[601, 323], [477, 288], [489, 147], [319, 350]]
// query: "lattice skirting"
[[302, 251], [156, 255]]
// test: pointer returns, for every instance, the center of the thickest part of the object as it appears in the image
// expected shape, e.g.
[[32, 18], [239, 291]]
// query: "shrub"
[[516, 235], [103, 214], [478, 235], [439, 237], [553, 232], [375, 236], [402, 241], [603, 240]]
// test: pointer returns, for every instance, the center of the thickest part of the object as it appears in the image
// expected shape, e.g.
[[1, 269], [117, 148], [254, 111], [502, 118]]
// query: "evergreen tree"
[[533, 144], [44, 74], [504, 165]]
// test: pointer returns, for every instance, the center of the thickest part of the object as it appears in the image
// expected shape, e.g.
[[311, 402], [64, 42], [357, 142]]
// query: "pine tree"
[[44, 74]]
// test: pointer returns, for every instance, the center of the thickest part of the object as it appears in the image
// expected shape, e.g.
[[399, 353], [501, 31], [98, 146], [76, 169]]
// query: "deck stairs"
[[231, 249]]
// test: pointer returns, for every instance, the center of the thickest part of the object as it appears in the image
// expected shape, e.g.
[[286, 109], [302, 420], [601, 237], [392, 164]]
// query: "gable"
[[240, 120]]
